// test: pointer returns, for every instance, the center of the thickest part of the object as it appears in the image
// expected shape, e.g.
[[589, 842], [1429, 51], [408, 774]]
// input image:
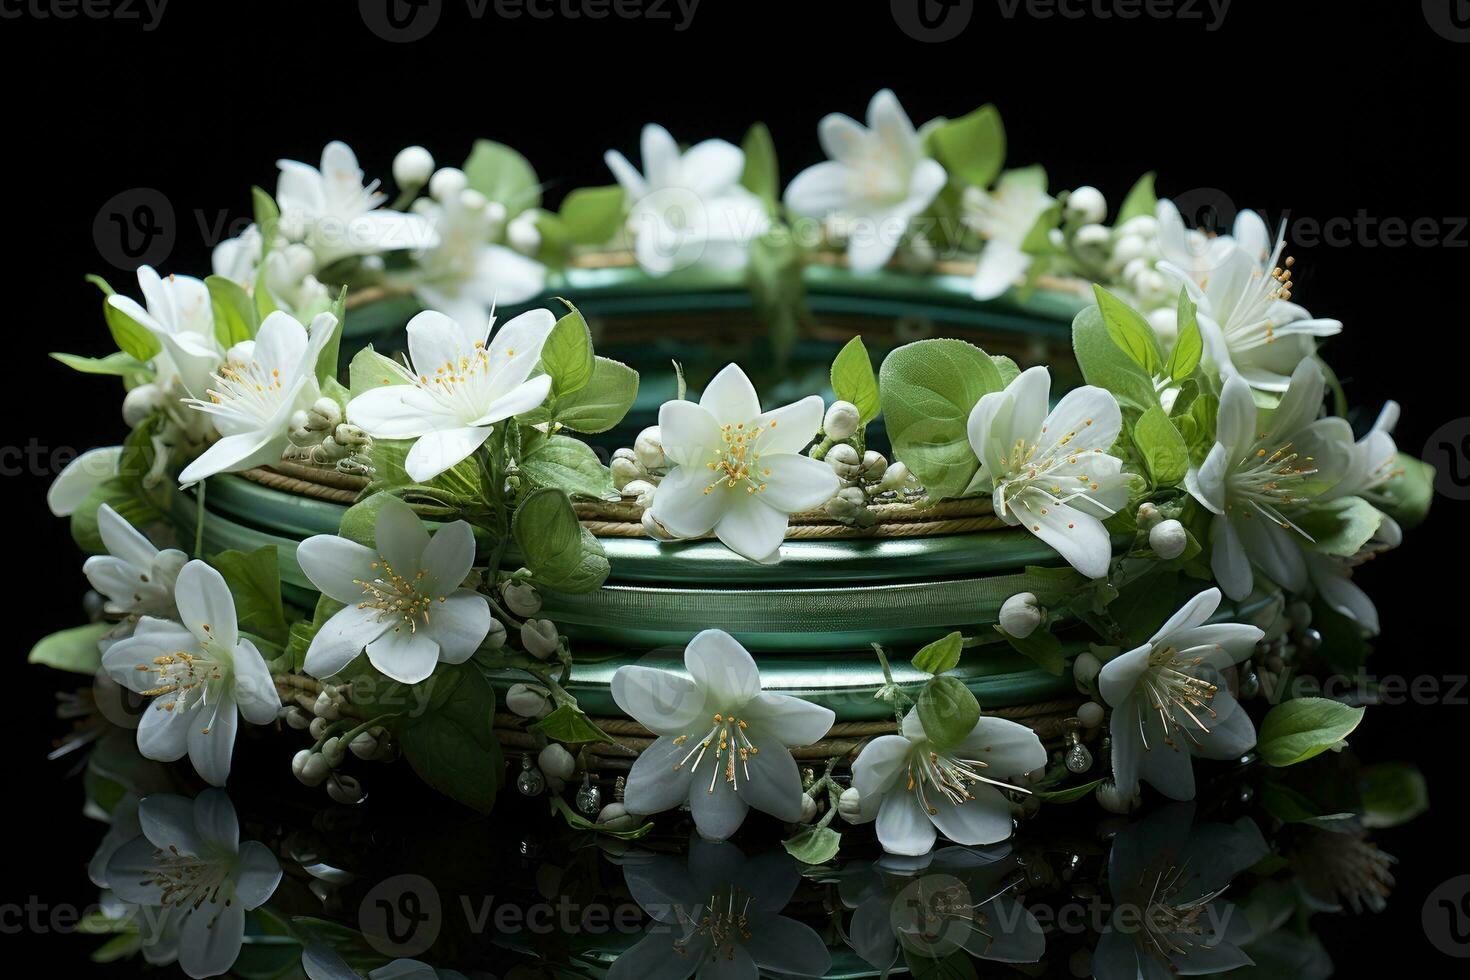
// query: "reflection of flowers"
[[1167, 875], [320, 962], [718, 917], [935, 905], [193, 879]]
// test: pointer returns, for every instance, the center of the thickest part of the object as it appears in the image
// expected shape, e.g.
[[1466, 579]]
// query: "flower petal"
[[80, 477], [437, 451], [341, 638], [234, 453], [750, 527], [216, 822], [458, 624], [404, 656], [122, 540], [1196, 612], [682, 505], [1079, 538], [515, 349], [879, 764], [723, 669], [212, 739], [206, 605], [1119, 677], [448, 556], [790, 720], [661, 701], [793, 484], [1086, 418], [768, 780], [256, 875], [903, 825], [254, 689], [1228, 561], [717, 809], [210, 938], [790, 428], [657, 782], [730, 397], [336, 565], [985, 819], [1008, 748], [400, 537], [690, 434]]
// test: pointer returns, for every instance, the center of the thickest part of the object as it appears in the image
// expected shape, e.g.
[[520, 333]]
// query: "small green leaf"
[[761, 176], [1163, 449], [941, 655], [131, 337], [74, 650], [562, 555], [1129, 331], [370, 370], [1341, 527], [503, 175], [814, 845], [973, 147], [1295, 731], [947, 710], [1069, 795], [254, 579], [853, 379], [1393, 794], [1104, 363], [119, 364], [1008, 368], [567, 464], [592, 215], [1141, 199], [1189, 344], [235, 319], [1407, 495], [567, 354], [598, 406], [1044, 649], [569, 724]]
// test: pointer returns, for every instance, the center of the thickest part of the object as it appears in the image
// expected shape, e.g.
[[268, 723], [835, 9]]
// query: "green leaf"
[[853, 379], [1189, 345], [947, 710], [1161, 446], [567, 464], [503, 175], [73, 650], [1008, 368], [1069, 795], [360, 522], [567, 354], [131, 337], [941, 655], [303, 631], [760, 176], [370, 370], [814, 845], [597, 407], [1297, 730], [326, 362], [1043, 649], [928, 389], [235, 319], [578, 822], [254, 579], [592, 215], [569, 724], [119, 364], [1104, 364], [453, 746], [1130, 331], [973, 147], [1393, 794], [1141, 199], [563, 556], [1407, 496], [1341, 527]]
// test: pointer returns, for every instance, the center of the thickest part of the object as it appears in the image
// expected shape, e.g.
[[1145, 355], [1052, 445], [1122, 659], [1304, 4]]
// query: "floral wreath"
[[1198, 451]]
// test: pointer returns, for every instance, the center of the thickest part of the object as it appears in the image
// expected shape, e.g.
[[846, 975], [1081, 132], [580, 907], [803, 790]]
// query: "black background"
[[1310, 111]]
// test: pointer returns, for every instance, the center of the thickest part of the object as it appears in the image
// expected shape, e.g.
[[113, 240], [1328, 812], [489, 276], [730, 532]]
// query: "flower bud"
[[1085, 668], [1087, 204], [556, 761], [845, 461], [141, 402], [654, 529], [641, 491], [349, 435], [849, 504], [896, 477], [334, 751], [874, 466], [1115, 800], [615, 816], [344, 789], [325, 707], [521, 597], [1168, 539], [325, 414], [1145, 226], [412, 167], [297, 718], [317, 727], [808, 808], [842, 420], [1090, 714], [309, 767], [625, 469], [495, 639], [1092, 238], [446, 183], [1148, 515], [1019, 615], [1128, 248], [523, 234], [472, 200], [850, 805], [364, 745], [648, 449], [528, 700], [539, 637]]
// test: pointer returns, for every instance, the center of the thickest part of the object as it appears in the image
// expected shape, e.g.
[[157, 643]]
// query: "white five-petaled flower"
[[723, 745], [467, 272], [193, 880], [337, 216], [255, 392], [876, 178], [914, 788], [201, 675], [137, 578], [1051, 472], [464, 381], [1170, 702], [737, 470], [1245, 310], [179, 314], [688, 208], [1259, 472], [405, 603], [1004, 217]]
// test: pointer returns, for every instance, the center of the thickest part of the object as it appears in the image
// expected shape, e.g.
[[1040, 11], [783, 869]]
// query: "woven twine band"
[[623, 519], [1050, 720]]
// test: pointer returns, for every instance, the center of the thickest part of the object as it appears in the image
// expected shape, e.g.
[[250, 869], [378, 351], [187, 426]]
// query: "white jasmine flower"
[[256, 391], [913, 788], [136, 578], [76, 481], [687, 208], [1245, 310], [180, 315], [194, 880], [1170, 702], [723, 745], [1167, 876], [405, 604], [238, 259], [463, 382], [201, 675], [1190, 253], [466, 273], [1051, 472], [1004, 217], [337, 216], [876, 176], [737, 470], [1259, 472]]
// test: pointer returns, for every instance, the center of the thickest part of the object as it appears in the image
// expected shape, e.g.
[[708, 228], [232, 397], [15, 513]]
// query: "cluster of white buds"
[[321, 764], [636, 472], [320, 437], [862, 473]]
